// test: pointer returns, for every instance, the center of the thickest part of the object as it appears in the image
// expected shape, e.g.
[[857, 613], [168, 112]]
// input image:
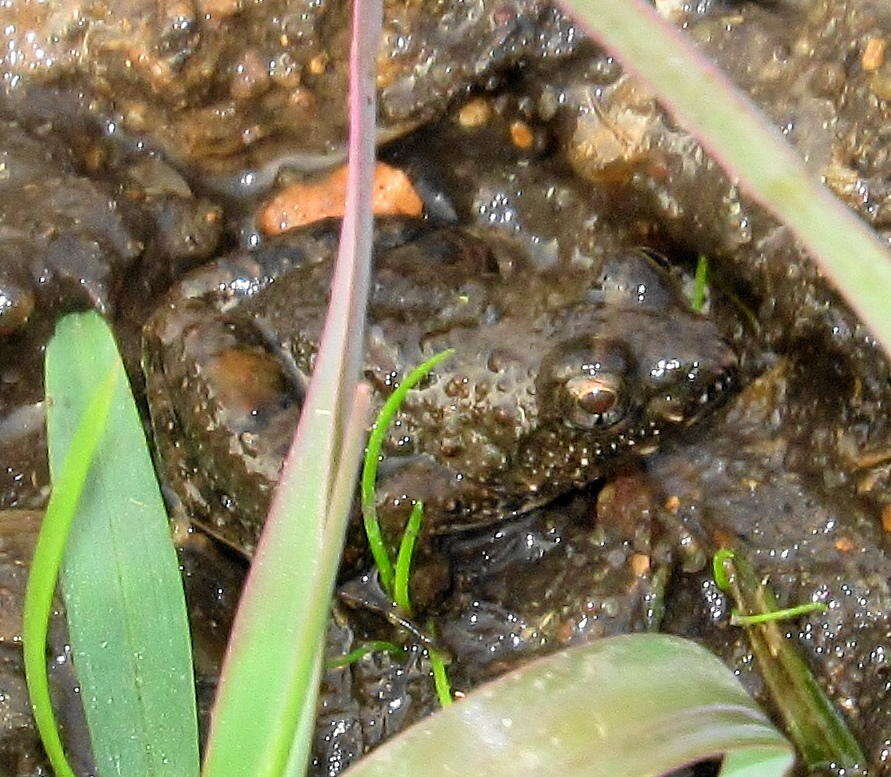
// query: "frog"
[[557, 375]]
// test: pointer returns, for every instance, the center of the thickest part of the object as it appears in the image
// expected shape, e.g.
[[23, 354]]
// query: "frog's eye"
[[596, 401], [583, 384]]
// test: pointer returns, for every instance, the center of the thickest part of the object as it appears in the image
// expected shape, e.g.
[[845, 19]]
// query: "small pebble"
[[873, 54], [219, 9], [305, 202], [844, 544], [521, 135], [474, 113], [318, 64], [640, 564]]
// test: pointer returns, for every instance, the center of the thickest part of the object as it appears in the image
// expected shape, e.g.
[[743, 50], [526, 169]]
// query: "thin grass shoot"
[[736, 619], [700, 284], [68, 488], [379, 552], [441, 678], [375, 646], [404, 558]]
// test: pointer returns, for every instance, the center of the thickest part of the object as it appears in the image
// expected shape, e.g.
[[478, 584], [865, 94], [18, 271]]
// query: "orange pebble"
[[521, 135], [886, 518], [844, 544], [873, 54], [673, 503], [306, 202], [640, 564]]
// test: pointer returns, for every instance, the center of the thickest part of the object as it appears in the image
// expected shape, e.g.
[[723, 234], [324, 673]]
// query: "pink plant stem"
[[284, 605]]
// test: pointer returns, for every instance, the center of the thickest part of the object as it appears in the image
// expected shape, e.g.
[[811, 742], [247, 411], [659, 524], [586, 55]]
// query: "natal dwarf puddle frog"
[[556, 376]]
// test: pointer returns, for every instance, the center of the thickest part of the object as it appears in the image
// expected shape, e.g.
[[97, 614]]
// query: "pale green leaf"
[[630, 706], [120, 576]]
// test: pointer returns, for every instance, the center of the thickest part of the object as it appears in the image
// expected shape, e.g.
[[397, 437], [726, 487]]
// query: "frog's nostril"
[[716, 389]]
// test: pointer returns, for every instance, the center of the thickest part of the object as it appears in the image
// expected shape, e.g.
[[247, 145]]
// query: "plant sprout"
[[47, 560], [372, 458], [811, 719]]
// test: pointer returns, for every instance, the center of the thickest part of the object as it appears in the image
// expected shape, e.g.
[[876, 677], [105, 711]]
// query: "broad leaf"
[[120, 575], [630, 706]]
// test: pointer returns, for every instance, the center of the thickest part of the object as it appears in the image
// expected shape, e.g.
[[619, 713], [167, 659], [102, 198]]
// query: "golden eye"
[[593, 401], [583, 383], [592, 396]]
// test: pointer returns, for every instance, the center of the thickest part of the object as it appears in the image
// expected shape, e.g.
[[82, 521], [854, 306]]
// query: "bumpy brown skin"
[[555, 373]]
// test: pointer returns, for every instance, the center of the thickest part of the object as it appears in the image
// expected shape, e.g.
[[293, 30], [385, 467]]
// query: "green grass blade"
[[754, 153], [777, 615], [630, 706], [375, 646], [700, 284], [47, 559], [813, 722], [403, 559], [441, 679], [372, 459], [120, 575]]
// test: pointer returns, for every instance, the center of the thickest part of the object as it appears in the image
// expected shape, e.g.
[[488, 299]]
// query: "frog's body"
[[556, 374]]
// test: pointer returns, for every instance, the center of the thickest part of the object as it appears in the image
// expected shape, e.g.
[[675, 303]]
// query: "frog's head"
[[643, 363]]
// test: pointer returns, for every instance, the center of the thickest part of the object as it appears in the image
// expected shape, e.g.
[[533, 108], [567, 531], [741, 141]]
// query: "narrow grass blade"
[[375, 646], [120, 575], [441, 679], [265, 704], [401, 594], [385, 417], [777, 615], [809, 716], [631, 706], [700, 284], [67, 490], [754, 153]]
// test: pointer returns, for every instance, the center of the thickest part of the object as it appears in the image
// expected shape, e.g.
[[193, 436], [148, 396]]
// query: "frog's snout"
[[695, 395]]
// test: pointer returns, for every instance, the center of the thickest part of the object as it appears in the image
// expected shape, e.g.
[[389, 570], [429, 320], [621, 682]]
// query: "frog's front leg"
[[223, 410]]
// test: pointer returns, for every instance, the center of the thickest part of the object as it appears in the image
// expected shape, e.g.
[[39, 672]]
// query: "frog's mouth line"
[[712, 396], [497, 515]]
